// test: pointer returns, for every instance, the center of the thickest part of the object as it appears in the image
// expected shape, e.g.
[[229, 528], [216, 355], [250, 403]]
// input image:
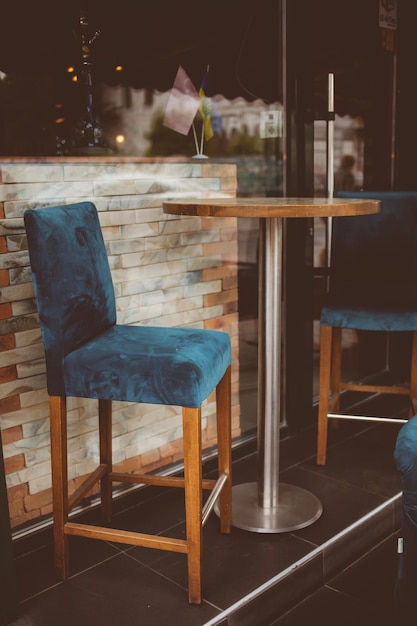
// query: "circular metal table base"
[[297, 508]]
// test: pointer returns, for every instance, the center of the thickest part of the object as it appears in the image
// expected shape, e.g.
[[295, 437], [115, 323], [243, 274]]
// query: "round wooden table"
[[268, 506]]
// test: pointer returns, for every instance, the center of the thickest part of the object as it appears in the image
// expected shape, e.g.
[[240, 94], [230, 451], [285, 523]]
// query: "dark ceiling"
[[149, 39], [239, 39]]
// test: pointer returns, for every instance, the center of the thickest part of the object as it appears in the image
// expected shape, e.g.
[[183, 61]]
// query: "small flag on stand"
[[206, 108], [212, 122], [183, 104]]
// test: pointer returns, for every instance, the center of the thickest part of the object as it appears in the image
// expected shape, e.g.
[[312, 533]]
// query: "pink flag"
[[183, 104]]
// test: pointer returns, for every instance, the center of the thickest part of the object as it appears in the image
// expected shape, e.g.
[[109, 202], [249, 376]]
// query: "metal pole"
[[284, 224], [269, 506], [269, 362], [330, 162], [394, 122], [284, 94], [330, 137]]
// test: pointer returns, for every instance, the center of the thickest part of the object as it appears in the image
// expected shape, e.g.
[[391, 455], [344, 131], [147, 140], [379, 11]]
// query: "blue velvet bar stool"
[[89, 355], [405, 455], [373, 287]]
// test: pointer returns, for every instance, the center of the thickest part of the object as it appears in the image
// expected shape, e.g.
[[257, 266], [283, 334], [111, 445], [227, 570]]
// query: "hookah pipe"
[[88, 133]]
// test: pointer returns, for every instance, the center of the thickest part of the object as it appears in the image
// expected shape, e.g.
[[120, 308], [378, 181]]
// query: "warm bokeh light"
[[118, 68], [120, 138]]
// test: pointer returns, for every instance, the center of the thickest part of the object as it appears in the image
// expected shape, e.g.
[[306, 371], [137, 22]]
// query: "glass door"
[[363, 157]]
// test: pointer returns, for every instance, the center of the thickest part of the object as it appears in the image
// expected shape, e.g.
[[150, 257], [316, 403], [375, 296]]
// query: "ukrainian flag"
[[206, 108]]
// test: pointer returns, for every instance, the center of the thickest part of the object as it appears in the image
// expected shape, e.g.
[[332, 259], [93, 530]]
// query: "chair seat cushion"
[[156, 365], [383, 318]]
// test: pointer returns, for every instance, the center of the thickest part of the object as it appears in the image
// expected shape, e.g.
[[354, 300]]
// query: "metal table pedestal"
[[268, 506]]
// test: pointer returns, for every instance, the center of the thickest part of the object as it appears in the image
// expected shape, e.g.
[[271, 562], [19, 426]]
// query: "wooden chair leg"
[[413, 377], [335, 375], [59, 462], [105, 430], [336, 370], [224, 443], [191, 419], [324, 386]]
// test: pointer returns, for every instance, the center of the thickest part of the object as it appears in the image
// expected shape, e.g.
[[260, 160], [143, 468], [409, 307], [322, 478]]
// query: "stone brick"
[[221, 322], [228, 234], [22, 386], [28, 172], [24, 305], [128, 466], [152, 457], [218, 223], [212, 299], [14, 463], [4, 278], [220, 271], [28, 337], [23, 355], [229, 184], [17, 492], [47, 509], [230, 282], [15, 325], [7, 342], [230, 307], [17, 242], [9, 435], [172, 449], [202, 288], [10, 404], [16, 511], [45, 192], [38, 500], [5, 310]]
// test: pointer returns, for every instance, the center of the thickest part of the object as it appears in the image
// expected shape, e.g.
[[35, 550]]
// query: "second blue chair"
[[373, 287]]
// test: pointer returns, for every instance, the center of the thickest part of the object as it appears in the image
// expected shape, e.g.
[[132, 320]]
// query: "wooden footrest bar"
[[126, 536]]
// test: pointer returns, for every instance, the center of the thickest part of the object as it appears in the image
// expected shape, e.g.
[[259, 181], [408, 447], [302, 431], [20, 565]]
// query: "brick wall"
[[167, 270]]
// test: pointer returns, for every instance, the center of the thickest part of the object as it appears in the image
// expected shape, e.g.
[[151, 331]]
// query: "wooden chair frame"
[[192, 483], [330, 386]]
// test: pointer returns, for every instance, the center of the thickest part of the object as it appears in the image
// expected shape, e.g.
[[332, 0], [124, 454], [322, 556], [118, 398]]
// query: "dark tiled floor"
[[362, 594], [248, 578]]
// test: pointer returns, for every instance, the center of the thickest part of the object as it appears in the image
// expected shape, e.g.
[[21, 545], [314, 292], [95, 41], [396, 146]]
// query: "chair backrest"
[[375, 256], [72, 281]]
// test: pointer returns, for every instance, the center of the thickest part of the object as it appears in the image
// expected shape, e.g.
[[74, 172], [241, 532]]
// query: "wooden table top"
[[272, 207]]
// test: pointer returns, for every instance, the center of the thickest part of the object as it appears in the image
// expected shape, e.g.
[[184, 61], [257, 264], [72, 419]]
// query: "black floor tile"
[[343, 503], [36, 571], [365, 461], [372, 578], [122, 585], [235, 565], [329, 608], [363, 594], [118, 591]]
